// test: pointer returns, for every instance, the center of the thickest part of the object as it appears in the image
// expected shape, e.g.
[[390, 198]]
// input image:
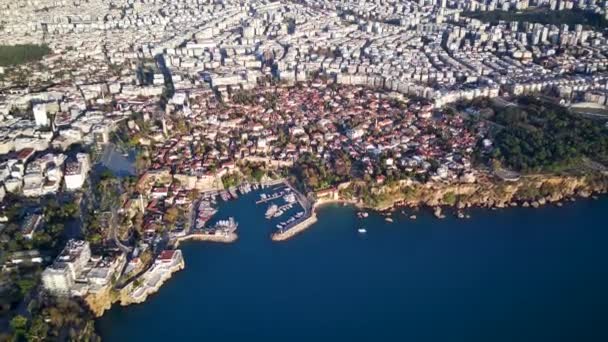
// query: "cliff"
[[133, 293], [532, 190], [99, 302]]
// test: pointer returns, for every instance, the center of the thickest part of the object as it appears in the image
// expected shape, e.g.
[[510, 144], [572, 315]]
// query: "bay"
[[507, 275]]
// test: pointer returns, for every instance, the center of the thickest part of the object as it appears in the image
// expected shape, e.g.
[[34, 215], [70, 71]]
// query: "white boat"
[[289, 198], [272, 209], [388, 219], [362, 230]]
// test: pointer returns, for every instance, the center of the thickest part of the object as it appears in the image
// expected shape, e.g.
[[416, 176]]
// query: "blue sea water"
[[507, 275]]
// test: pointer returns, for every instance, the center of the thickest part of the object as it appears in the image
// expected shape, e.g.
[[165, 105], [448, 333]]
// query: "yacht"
[[272, 209]]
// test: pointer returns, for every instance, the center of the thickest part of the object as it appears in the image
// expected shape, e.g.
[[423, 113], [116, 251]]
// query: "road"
[[114, 232]]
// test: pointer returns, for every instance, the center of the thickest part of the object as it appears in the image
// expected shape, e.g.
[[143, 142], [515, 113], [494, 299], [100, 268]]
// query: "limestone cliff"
[[531, 190]]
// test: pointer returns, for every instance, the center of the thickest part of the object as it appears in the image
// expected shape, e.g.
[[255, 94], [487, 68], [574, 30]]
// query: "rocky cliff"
[[533, 190]]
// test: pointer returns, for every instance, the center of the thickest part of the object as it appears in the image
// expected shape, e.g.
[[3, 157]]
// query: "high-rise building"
[[40, 115], [59, 278], [76, 172]]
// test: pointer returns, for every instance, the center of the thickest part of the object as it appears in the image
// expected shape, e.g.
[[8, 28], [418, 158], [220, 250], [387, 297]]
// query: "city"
[[126, 124]]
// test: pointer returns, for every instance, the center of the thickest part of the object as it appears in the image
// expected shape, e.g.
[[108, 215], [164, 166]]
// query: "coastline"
[[100, 302], [140, 293], [150, 282], [530, 191]]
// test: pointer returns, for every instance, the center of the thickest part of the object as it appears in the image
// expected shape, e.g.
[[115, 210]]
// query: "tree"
[[19, 325], [171, 215], [38, 330], [449, 198], [25, 285], [258, 174]]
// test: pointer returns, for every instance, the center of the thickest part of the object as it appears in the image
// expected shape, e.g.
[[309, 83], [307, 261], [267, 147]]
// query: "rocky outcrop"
[[135, 292], [533, 190]]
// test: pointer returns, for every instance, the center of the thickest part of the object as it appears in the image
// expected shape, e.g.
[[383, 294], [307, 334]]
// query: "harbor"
[[284, 204], [288, 211]]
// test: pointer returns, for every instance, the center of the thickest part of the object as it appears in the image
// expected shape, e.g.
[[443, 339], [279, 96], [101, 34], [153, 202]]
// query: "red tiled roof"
[[166, 255]]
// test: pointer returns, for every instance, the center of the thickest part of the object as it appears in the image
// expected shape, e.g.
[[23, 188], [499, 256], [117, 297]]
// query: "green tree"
[[38, 331], [19, 325]]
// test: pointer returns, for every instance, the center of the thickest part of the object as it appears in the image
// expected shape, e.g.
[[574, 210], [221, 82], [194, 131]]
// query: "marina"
[[284, 200], [203, 214]]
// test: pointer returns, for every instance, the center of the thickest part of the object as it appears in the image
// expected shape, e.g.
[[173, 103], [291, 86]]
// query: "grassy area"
[[543, 16], [20, 54]]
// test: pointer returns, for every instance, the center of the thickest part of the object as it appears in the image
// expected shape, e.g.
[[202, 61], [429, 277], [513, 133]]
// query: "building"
[[30, 225], [76, 172], [40, 115], [59, 278]]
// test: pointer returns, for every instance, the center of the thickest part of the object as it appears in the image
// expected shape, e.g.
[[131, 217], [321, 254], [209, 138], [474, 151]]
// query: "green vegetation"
[[19, 325], [449, 198], [253, 171], [61, 319], [20, 54], [231, 179], [543, 16], [542, 136], [311, 174]]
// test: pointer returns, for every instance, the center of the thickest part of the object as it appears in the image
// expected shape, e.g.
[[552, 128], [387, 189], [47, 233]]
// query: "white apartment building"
[[58, 279], [76, 172]]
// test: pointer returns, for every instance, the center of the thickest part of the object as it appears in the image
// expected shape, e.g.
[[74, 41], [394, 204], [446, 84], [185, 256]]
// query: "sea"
[[517, 274]]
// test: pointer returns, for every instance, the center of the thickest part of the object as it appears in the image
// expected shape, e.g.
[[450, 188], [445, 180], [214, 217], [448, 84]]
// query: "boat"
[[388, 219], [227, 226], [362, 214], [232, 192], [289, 198], [272, 209], [362, 230]]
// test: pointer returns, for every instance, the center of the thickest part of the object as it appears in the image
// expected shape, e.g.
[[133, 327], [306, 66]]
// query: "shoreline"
[[489, 193], [531, 191], [147, 291]]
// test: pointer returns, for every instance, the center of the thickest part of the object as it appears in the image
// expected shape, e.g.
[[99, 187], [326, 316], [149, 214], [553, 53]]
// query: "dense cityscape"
[[123, 124]]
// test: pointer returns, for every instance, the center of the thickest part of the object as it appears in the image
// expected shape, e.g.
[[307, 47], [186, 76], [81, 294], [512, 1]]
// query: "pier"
[[308, 218], [271, 197]]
